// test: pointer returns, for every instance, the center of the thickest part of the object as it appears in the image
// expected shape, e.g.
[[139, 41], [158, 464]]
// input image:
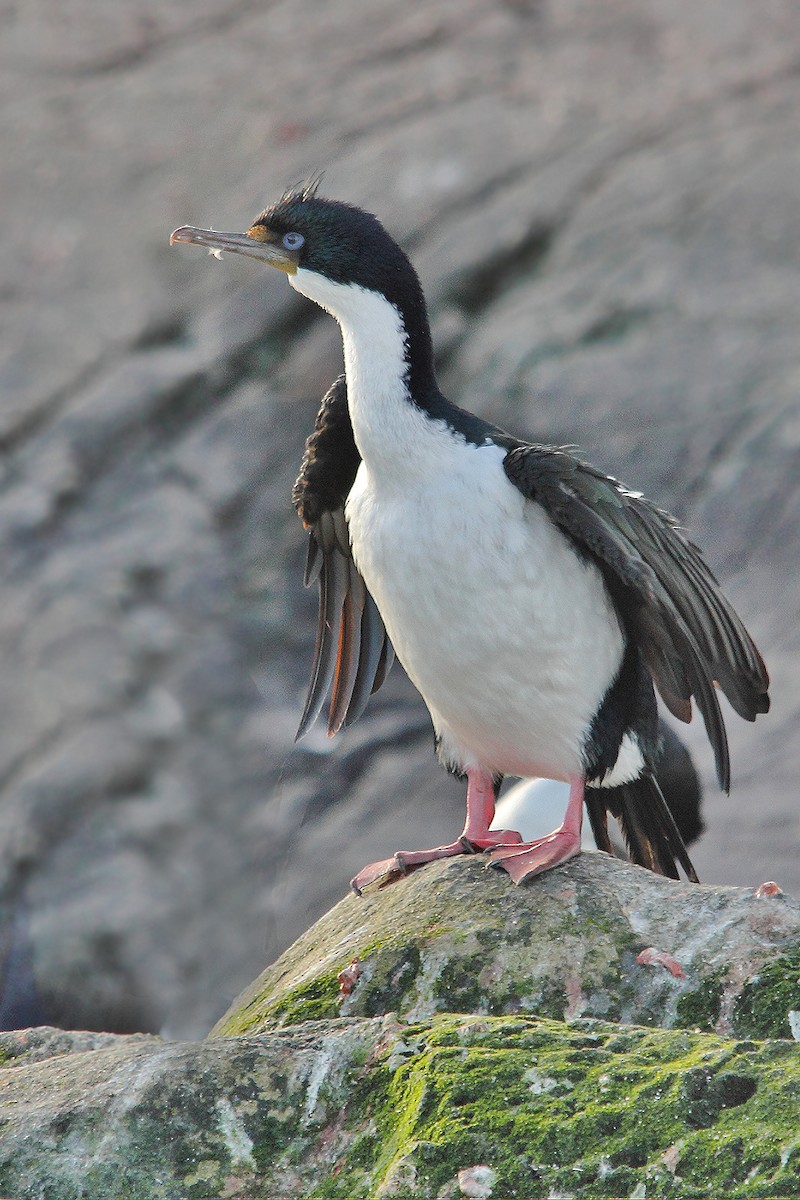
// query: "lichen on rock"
[[568, 944], [595, 1032], [375, 1108]]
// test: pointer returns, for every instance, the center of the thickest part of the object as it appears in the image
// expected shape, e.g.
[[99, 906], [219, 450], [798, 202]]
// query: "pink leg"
[[531, 858], [480, 814], [475, 836]]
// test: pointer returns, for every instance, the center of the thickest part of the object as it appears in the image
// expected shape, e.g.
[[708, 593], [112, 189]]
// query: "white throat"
[[375, 364]]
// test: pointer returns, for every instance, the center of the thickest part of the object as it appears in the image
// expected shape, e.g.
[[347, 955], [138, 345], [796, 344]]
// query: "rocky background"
[[602, 201]]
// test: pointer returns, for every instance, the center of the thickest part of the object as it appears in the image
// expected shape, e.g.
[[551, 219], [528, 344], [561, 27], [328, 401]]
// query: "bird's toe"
[[525, 861]]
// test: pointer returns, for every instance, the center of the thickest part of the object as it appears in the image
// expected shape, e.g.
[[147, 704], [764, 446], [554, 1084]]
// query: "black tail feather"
[[598, 818], [648, 826]]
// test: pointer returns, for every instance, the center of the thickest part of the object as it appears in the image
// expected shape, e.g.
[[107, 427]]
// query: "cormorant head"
[[342, 258], [308, 236]]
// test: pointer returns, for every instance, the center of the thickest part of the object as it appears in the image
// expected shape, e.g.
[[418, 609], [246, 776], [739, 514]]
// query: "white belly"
[[509, 636]]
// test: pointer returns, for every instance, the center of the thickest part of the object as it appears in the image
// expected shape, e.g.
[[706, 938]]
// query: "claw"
[[493, 837], [375, 871], [403, 861]]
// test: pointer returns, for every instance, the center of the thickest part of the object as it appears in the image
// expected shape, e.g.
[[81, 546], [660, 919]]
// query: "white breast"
[[507, 633]]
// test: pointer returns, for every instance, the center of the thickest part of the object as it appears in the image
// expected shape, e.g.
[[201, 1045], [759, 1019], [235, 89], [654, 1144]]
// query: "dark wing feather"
[[689, 635], [647, 823], [333, 581], [368, 676], [658, 814], [352, 654]]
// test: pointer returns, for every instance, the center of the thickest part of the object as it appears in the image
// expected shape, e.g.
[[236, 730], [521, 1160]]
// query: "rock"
[[380, 1091], [601, 200], [457, 937]]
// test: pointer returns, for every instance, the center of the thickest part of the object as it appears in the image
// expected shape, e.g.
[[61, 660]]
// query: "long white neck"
[[387, 426]]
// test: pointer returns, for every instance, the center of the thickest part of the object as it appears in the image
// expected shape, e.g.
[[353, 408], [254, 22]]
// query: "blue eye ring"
[[293, 241]]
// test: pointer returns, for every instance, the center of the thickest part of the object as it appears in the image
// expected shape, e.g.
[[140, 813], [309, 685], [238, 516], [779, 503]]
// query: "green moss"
[[458, 988], [700, 1009], [550, 1110], [395, 966], [762, 1007], [314, 1000], [368, 1108]]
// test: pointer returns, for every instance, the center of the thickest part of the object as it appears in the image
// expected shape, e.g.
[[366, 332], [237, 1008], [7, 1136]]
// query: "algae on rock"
[[458, 938], [374, 1108], [514, 1034]]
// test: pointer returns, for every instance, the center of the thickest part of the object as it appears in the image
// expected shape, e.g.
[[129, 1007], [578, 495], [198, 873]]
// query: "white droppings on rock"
[[787, 1152], [325, 1065], [794, 1023], [237, 1140], [604, 1167], [538, 1083], [477, 1182], [323, 1061]]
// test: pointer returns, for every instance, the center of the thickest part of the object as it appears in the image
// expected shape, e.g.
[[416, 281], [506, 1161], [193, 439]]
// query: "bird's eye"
[[293, 241]]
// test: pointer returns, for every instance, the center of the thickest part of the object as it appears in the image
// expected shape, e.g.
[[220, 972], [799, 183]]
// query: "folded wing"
[[353, 654], [691, 638]]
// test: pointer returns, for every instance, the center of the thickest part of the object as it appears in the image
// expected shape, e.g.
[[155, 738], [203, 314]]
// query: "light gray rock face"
[[602, 203]]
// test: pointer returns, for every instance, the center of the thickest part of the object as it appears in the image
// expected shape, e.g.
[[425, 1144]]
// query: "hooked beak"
[[259, 242]]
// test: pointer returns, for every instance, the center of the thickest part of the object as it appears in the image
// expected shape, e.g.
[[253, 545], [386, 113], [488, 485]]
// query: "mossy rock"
[[375, 1108], [458, 937], [380, 1087]]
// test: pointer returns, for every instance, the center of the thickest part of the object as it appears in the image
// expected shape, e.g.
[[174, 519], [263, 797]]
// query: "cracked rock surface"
[[602, 204]]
